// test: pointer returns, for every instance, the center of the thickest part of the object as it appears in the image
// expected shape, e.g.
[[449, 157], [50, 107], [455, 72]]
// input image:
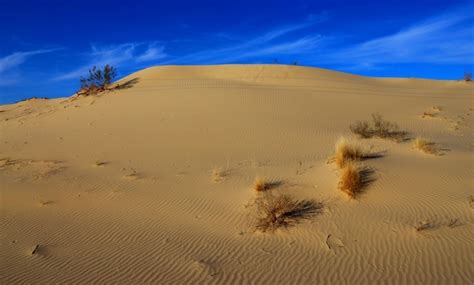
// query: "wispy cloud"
[[15, 59], [153, 52], [446, 38], [299, 46], [266, 44], [443, 39], [9, 65], [122, 55]]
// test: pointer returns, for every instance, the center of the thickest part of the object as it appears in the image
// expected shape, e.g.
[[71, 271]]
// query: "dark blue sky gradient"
[[46, 45]]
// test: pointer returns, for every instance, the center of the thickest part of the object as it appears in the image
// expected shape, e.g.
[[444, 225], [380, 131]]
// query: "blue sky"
[[48, 44]]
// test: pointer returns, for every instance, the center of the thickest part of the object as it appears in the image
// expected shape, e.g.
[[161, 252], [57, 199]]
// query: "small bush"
[[380, 128], [362, 129], [98, 80], [350, 181], [467, 76], [383, 128], [219, 174], [425, 145], [262, 184], [354, 178], [428, 115], [282, 211], [347, 151]]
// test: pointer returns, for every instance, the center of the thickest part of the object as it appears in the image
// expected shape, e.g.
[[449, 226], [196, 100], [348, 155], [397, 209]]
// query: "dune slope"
[[119, 188]]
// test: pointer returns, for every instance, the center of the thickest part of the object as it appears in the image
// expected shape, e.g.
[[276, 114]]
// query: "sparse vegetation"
[[98, 80], [282, 211], [350, 181], [100, 163], [263, 184], [380, 128], [44, 202], [362, 129], [428, 114], [432, 113], [354, 178], [347, 151], [218, 174], [454, 222], [425, 145], [467, 76]]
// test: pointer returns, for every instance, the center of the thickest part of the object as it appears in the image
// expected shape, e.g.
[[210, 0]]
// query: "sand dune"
[[119, 188]]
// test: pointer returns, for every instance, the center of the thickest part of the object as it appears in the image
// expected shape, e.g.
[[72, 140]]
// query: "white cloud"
[[123, 55], [15, 59], [447, 38], [152, 53], [261, 45], [299, 46]]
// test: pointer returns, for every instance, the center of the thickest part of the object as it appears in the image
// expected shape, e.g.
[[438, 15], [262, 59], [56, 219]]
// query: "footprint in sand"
[[37, 249], [27, 169], [132, 175], [204, 267], [333, 242], [100, 163], [45, 202]]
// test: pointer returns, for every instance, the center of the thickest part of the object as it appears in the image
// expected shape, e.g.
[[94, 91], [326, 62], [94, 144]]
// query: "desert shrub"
[[383, 128], [354, 178], [380, 128], [282, 211], [219, 174], [467, 76], [425, 145], [263, 184], [362, 129], [347, 151], [350, 180], [98, 80]]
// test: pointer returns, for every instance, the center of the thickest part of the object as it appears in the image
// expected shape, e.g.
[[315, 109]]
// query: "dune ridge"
[[119, 187]]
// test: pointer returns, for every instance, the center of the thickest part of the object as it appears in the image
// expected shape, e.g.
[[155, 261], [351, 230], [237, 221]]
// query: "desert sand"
[[154, 183]]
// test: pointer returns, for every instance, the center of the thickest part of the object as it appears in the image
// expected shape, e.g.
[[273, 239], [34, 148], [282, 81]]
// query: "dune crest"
[[153, 182]]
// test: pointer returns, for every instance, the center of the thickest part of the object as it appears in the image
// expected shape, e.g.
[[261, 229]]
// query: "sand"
[[119, 188]]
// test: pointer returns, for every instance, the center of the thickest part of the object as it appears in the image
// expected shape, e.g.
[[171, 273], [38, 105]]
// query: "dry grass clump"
[[347, 151], [260, 184], [100, 80], [467, 76], [282, 211], [362, 129], [454, 222], [100, 163], [428, 114], [354, 178], [218, 174], [425, 145], [432, 113], [263, 184], [379, 128], [44, 202], [350, 181]]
